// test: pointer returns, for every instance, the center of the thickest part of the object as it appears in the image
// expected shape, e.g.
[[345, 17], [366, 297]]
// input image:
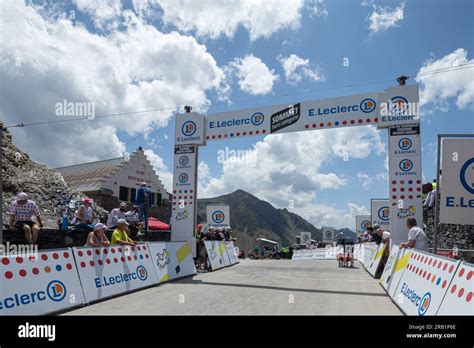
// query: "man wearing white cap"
[[116, 214], [120, 236], [21, 212]]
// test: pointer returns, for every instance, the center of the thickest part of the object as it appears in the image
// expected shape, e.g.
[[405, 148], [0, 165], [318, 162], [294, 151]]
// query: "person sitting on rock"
[[21, 212], [115, 215], [97, 238], [85, 215]]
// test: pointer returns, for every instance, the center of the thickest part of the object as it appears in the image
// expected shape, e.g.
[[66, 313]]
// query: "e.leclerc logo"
[[55, 291], [183, 178], [384, 213], [466, 178], [364, 224], [218, 216], [183, 160], [421, 302], [367, 105], [188, 128], [406, 167], [256, 119], [398, 106], [139, 274], [405, 144]]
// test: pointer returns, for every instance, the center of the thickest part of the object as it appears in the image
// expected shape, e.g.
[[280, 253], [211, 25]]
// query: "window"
[[159, 199], [133, 195], [123, 193], [152, 198]]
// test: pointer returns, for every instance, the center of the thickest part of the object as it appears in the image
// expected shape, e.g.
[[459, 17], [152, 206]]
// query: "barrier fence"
[[421, 283], [317, 254], [220, 253], [55, 280]]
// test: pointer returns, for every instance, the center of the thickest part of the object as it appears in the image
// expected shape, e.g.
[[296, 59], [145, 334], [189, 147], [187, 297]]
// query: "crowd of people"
[[121, 222], [211, 233]]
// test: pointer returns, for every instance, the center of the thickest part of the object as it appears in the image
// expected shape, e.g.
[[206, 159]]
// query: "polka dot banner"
[[458, 299], [424, 283], [38, 283], [106, 272]]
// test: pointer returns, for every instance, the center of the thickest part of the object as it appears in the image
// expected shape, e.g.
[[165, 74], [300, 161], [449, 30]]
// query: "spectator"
[[416, 237], [376, 237], [120, 236], [201, 249], [21, 212], [97, 238], [85, 215], [221, 233], [115, 215], [383, 236], [135, 226], [144, 203]]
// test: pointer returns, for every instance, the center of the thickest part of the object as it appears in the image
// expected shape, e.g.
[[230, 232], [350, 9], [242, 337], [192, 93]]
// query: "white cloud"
[[297, 68], [210, 18], [254, 77], [365, 179], [161, 169], [383, 18], [437, 89], [104, 13], [290, 167], [139, 68], [317, 8], [329, 215]]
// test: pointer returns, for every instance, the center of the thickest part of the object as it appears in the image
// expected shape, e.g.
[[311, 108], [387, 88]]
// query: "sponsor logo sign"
[[218, 216], [380, 212], [362, 221]]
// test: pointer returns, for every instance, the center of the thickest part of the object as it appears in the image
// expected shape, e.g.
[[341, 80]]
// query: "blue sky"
[[379, 39]]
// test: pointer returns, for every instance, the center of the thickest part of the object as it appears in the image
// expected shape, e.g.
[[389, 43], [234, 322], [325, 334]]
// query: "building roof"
[[88, 177]]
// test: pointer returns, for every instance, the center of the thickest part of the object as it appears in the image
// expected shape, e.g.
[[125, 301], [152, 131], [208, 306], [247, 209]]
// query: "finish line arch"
[[396, 110]]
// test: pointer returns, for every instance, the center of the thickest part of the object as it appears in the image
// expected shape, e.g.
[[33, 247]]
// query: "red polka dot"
[[238, 134], [35, 270], [257, 132], [108, 261], [306, 126], [66, 254], [402, 182], [402, 189], [429, 275], [424, 274], [469, 297], [97, 251], [115, 260], [434, 263], [445, 266], [129, 258], [440, 264], [244, 133], [83, 264], [119, 250], [422, 258], [89, 252], [321, 125], [146, 255], [80, 253], [451, 268], [69, 266], [429, 262], [469, 275], [444, 284], [367, 120], [394, 189], [144, 247], [22, 272], [394, 197], [394, 182], [138, 247], [135, 257], [402, 196], [344, 122], [207, 137], [264, 131], [376, 119], [100, 262], [213, 137], [360, 121], [8, 275], [32, 258], [113, 251], [453, 289], [122, 259], [106, 251], [91, 263], [19, 259], [352, 121], [133, 248], [461, 272], [55, 256], [461, 291], [5, 261]]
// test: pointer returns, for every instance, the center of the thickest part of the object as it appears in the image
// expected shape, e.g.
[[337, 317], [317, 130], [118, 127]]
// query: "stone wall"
[[449, 235], [54, 239]]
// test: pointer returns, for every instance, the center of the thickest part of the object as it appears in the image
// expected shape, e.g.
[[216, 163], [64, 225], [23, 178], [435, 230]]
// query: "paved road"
[[258, 287]]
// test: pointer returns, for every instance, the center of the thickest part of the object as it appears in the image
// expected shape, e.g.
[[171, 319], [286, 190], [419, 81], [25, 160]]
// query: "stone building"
[[117, 180]]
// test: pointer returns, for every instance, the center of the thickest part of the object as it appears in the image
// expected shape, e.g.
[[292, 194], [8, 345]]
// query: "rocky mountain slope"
[[45, 186]]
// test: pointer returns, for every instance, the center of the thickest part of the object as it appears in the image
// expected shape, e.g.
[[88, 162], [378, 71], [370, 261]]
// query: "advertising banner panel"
[[218, 216], [380, 213]]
